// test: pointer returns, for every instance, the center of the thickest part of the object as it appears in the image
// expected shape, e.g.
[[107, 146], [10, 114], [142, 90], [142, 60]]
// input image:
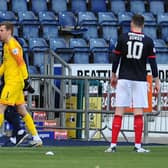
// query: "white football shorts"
[[131, 94]]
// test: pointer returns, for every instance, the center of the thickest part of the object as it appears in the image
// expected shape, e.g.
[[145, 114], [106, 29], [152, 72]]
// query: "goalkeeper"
[[15, 74]]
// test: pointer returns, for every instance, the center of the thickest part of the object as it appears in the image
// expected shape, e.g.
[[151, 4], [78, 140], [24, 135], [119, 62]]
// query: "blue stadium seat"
[[59, 45], [156, 6], [162, 20], [27, 17], [78, 6], [29, 31], [29, 24], [19, 5], [150, 27], [118, 6], [100, 50], [137, 6], [150, 30], [161, 51], [98, 6], [4, 5], [39, 6], [81, 51], [124, 19], [38, 47], [89, 21], [149, 18], [69, 24], [8, 16], [58, 8], [161, 57], [50, 31], [107, 18], [47, 17], [108, 24]]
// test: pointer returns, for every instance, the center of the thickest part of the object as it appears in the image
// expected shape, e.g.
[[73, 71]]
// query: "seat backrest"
[[27, 17], [30, 30], [107, 18], [58, 8], [4, 5], [86, 18], [100, 50], [39, 6], [67, 19], [109, 31], [55, 43], [80, 50], [151, 31], [77, 42], [98, 6], [47, 17], [149, 18], [118, 6], [8, 16], [156, 6], [37, 44], [78, 6], [162, 18], [137, 6], [49, 31], [19, 6], [124, 19]]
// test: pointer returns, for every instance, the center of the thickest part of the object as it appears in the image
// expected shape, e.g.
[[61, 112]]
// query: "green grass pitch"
[[83, 157]]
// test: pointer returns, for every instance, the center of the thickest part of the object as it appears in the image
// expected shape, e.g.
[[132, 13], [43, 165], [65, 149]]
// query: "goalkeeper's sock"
[[116, 126], [1, 119], [30, 124], [138, 127]]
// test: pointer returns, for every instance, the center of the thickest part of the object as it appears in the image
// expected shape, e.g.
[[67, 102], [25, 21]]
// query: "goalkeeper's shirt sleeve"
[[1, 69], [17, 53]]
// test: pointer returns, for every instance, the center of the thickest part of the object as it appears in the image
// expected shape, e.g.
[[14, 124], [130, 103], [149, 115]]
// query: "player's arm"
[[1, 69], [154, 68], [17, 53], [115, 63]]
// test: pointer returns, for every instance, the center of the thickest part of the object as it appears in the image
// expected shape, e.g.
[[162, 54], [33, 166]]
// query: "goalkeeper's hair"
[[8, 25]]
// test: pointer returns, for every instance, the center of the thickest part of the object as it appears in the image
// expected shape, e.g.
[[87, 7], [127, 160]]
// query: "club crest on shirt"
[[15, 51]]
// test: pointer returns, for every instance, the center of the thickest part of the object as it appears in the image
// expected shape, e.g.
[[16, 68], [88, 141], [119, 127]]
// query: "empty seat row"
[[105, 25], [154, 6]]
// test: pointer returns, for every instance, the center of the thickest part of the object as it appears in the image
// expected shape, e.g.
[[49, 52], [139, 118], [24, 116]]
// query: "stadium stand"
[[4, 5], [89, 21], [98, 6], [124, 19], [108, 25], [22, 5], [81, 51], [58, 8], [156, 6], [8, 16], [36, 7], [100, 50], [38, 47], [78, 6], [118, 6], [60, 46], [137, 6], [162, 20]]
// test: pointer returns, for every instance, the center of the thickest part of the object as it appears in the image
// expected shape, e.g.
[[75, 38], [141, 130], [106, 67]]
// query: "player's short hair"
[[8, 25], [138, 20]]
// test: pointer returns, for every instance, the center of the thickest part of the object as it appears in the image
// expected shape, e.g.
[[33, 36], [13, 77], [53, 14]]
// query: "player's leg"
[[18, 134], [30, 125], [122, 100], [140, 101]]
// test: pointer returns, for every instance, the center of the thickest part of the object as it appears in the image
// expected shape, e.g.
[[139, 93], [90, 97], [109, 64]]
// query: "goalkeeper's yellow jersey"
[[13, 67]]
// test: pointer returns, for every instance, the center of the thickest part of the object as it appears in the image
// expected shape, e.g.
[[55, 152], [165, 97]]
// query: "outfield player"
[[132, 51], [15, 74]]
